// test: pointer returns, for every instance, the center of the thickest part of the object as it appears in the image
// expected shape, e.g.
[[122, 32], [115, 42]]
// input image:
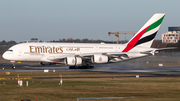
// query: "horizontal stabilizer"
[[152, 52]]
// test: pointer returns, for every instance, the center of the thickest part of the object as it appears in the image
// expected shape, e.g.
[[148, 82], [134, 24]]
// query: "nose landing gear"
[[13, 66]]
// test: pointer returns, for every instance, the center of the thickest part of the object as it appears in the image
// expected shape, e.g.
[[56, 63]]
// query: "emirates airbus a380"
[[85, 55]]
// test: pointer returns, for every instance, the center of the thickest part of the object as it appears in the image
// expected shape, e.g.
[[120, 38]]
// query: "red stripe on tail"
[[131, 44]]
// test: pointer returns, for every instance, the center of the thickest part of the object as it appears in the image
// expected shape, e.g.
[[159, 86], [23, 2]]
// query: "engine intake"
[[73, 61], [99, 59]]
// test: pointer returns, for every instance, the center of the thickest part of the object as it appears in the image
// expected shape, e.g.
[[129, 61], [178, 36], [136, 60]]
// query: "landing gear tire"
[[81, 67], [13, 66], [90, 67], [73, 67], [85, 67]]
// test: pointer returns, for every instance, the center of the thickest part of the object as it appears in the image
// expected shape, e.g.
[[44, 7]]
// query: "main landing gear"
[[81, 67]]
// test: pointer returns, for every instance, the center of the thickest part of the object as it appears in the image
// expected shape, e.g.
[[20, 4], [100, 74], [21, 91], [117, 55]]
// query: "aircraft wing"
[[110, 55], [86, 56]]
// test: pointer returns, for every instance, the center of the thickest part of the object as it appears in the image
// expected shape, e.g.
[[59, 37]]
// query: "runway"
[[109, 68], [163, 64]]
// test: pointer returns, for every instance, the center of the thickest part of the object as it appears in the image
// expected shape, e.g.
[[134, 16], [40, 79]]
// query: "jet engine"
[[99, 59], [73, 61]]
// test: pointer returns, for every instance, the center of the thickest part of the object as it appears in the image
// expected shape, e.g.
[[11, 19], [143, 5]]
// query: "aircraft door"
[[116, 48], [96, 48]]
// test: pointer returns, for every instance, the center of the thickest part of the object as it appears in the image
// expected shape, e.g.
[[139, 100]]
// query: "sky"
[[78, 19]]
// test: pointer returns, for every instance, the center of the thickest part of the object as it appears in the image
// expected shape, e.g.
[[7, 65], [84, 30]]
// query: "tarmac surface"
[[162, 64], [121, 68]]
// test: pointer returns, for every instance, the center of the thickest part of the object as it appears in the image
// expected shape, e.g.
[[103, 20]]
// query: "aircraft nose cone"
[[5, 56]]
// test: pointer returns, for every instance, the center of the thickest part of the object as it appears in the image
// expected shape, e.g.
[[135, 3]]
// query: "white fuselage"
[[47, 51]]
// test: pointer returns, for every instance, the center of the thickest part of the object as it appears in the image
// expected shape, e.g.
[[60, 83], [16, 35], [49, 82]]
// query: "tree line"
[[71, 40]]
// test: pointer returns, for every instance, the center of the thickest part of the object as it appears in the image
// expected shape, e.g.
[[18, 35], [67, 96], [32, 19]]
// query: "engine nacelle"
[[73, 61], [99, 59], [47, 63]]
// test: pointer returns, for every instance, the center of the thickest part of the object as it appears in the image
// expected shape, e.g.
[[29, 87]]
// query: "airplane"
[[85, 55]]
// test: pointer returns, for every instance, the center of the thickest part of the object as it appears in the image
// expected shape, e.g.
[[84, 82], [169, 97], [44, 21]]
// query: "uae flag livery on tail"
[[145, 36]]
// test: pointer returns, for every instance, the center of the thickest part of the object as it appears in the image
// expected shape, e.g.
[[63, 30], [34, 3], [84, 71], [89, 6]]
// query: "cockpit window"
[[10, 50]]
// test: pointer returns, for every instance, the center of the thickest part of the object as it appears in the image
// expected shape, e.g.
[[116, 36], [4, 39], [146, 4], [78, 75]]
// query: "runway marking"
[[105, 98], [15, 78]]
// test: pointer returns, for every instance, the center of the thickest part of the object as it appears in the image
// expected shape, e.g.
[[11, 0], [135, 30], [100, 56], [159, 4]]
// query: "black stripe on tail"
[[146, 39]]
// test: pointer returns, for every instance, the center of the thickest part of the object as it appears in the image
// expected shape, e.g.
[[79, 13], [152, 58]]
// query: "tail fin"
[[145, 36]]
